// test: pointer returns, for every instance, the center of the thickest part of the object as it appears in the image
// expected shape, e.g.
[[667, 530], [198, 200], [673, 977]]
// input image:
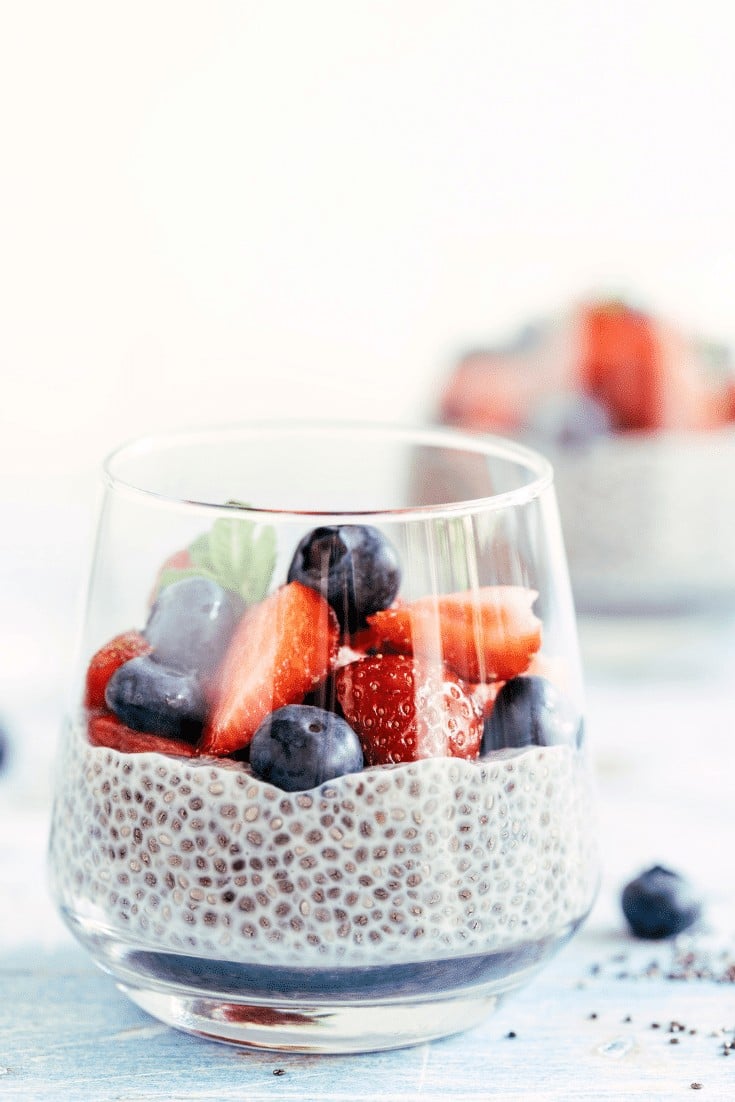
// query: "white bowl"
[[649, 521]]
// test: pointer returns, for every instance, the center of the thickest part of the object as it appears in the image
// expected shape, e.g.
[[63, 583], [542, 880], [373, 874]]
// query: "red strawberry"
[[283, 647], [109, 658], [620, 362], [179, 560], [403, 712], [105, 729], [488, 634], [368, 640], [483, 696]]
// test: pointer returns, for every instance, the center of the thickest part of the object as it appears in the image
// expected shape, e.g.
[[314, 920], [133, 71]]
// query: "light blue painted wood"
[[65, 1032]]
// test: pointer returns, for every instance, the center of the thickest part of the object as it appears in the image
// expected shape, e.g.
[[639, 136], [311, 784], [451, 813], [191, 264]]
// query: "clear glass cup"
[[323, 783]]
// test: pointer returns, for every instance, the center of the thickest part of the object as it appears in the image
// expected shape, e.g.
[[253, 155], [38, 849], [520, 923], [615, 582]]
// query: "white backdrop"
[[222, 210]]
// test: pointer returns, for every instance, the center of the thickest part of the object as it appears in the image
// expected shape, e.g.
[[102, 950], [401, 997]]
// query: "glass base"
[[339, 1028], [318, 1009]]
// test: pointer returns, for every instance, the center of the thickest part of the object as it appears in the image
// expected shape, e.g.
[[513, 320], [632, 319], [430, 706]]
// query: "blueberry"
[[4, 749], [353, 565], [530, 711], [191, 624], [300, 747], [153, 698], [570, 420], [660, 903]]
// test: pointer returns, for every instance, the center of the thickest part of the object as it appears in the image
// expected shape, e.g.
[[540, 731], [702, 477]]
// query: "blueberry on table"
[[191, 624], [530, 711], [153, 698], [353, 565], [660, 903], [300, 747]]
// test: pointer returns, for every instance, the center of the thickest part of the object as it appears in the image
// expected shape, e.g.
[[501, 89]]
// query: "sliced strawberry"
[[488, 634], [283, 647], [554, 669], [114, 654], [105, 729], [368, 640], [402, 712]]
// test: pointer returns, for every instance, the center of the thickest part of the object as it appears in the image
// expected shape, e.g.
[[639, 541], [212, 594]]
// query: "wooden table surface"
[[610, 1018]]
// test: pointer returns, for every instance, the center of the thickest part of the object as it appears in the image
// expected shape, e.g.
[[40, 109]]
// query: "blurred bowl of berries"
[[638, 421], [324, 780]]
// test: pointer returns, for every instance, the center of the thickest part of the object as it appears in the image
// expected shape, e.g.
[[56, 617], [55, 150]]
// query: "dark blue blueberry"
[[191, 624], [153, 698], [530, 711], [4, 749], [353, 566], [300, 747], [570, 420], [660, 903]]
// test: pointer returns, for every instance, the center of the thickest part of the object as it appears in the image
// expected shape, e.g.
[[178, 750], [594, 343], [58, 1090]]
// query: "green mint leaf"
[[262, 561], [174, 574], [238, 554], [199, 553]]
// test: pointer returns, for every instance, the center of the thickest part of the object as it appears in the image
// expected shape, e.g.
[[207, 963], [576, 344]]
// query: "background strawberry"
[[404, 712]]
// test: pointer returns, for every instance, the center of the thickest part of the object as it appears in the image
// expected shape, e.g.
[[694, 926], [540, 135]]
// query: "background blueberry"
[[570, 420], [4, 748], [300, 747], [530, 711], [153, 698], [191, 624], [353, 566], [660, 903]]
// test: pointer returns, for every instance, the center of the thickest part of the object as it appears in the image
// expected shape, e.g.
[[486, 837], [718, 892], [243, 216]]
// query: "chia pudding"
[[433, 860]]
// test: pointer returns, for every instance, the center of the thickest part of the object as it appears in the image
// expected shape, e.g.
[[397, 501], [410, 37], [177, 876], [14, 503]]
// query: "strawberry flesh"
[[130, 644], [404, 712], [484, 635], [105, 729], [282, 649]]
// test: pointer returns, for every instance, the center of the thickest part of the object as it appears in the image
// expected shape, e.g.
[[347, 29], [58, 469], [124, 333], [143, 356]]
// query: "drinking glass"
[[323, 782]]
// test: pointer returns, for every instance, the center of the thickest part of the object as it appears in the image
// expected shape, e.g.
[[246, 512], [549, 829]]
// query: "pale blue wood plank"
[[66, 1032]]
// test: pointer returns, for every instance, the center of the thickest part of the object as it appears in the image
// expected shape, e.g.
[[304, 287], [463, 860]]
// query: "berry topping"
[[403, 713], [191, 624], [282, 648], [150, 697], [353, 566], [483, 695], [131, 644], [299, 747], [235, 553], [176, 567], [106, 730], [530, 711], [487, 634], [660, 903]]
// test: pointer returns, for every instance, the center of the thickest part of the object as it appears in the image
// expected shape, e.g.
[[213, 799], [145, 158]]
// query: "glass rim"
[[538, 467]]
